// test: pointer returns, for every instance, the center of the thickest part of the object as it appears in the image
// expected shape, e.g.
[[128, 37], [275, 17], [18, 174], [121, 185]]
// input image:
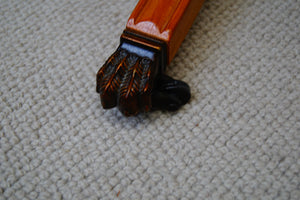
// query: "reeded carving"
[[126, 81]]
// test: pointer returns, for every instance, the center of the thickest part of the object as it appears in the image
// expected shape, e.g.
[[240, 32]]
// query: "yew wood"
[[166, 20]]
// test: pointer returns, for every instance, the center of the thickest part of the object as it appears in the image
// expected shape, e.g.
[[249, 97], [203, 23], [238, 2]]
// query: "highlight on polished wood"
[[133, 78], [168, 21]]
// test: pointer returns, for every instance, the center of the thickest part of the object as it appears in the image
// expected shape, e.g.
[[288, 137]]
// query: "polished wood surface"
[[166, 20], [133, 78]]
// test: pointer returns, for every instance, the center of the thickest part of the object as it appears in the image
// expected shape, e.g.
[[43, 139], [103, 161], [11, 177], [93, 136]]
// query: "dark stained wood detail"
[[110, 77], [126, 81], [134, 96]]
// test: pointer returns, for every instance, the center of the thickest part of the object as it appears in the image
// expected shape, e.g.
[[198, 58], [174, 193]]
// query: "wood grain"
[[168, 21]]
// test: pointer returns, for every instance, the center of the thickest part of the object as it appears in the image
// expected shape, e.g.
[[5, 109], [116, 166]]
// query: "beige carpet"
[[238, 138]]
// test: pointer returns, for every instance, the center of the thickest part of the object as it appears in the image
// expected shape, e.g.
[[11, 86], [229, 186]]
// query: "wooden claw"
[[125, 80]]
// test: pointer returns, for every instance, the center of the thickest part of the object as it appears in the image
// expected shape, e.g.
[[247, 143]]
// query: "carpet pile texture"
[[237, 138]]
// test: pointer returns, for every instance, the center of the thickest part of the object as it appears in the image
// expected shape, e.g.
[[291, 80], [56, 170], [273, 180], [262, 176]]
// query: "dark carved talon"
[[170, 94], [132, 79]]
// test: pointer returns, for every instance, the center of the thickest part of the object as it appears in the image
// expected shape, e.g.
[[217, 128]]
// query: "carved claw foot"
[[126, 81], [132, 80]]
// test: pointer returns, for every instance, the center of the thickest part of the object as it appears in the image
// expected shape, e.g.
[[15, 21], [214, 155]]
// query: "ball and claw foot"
[[134, 85]]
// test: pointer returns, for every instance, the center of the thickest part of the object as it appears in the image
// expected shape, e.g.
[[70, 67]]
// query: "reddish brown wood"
[[133, 77], [166, 20]]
